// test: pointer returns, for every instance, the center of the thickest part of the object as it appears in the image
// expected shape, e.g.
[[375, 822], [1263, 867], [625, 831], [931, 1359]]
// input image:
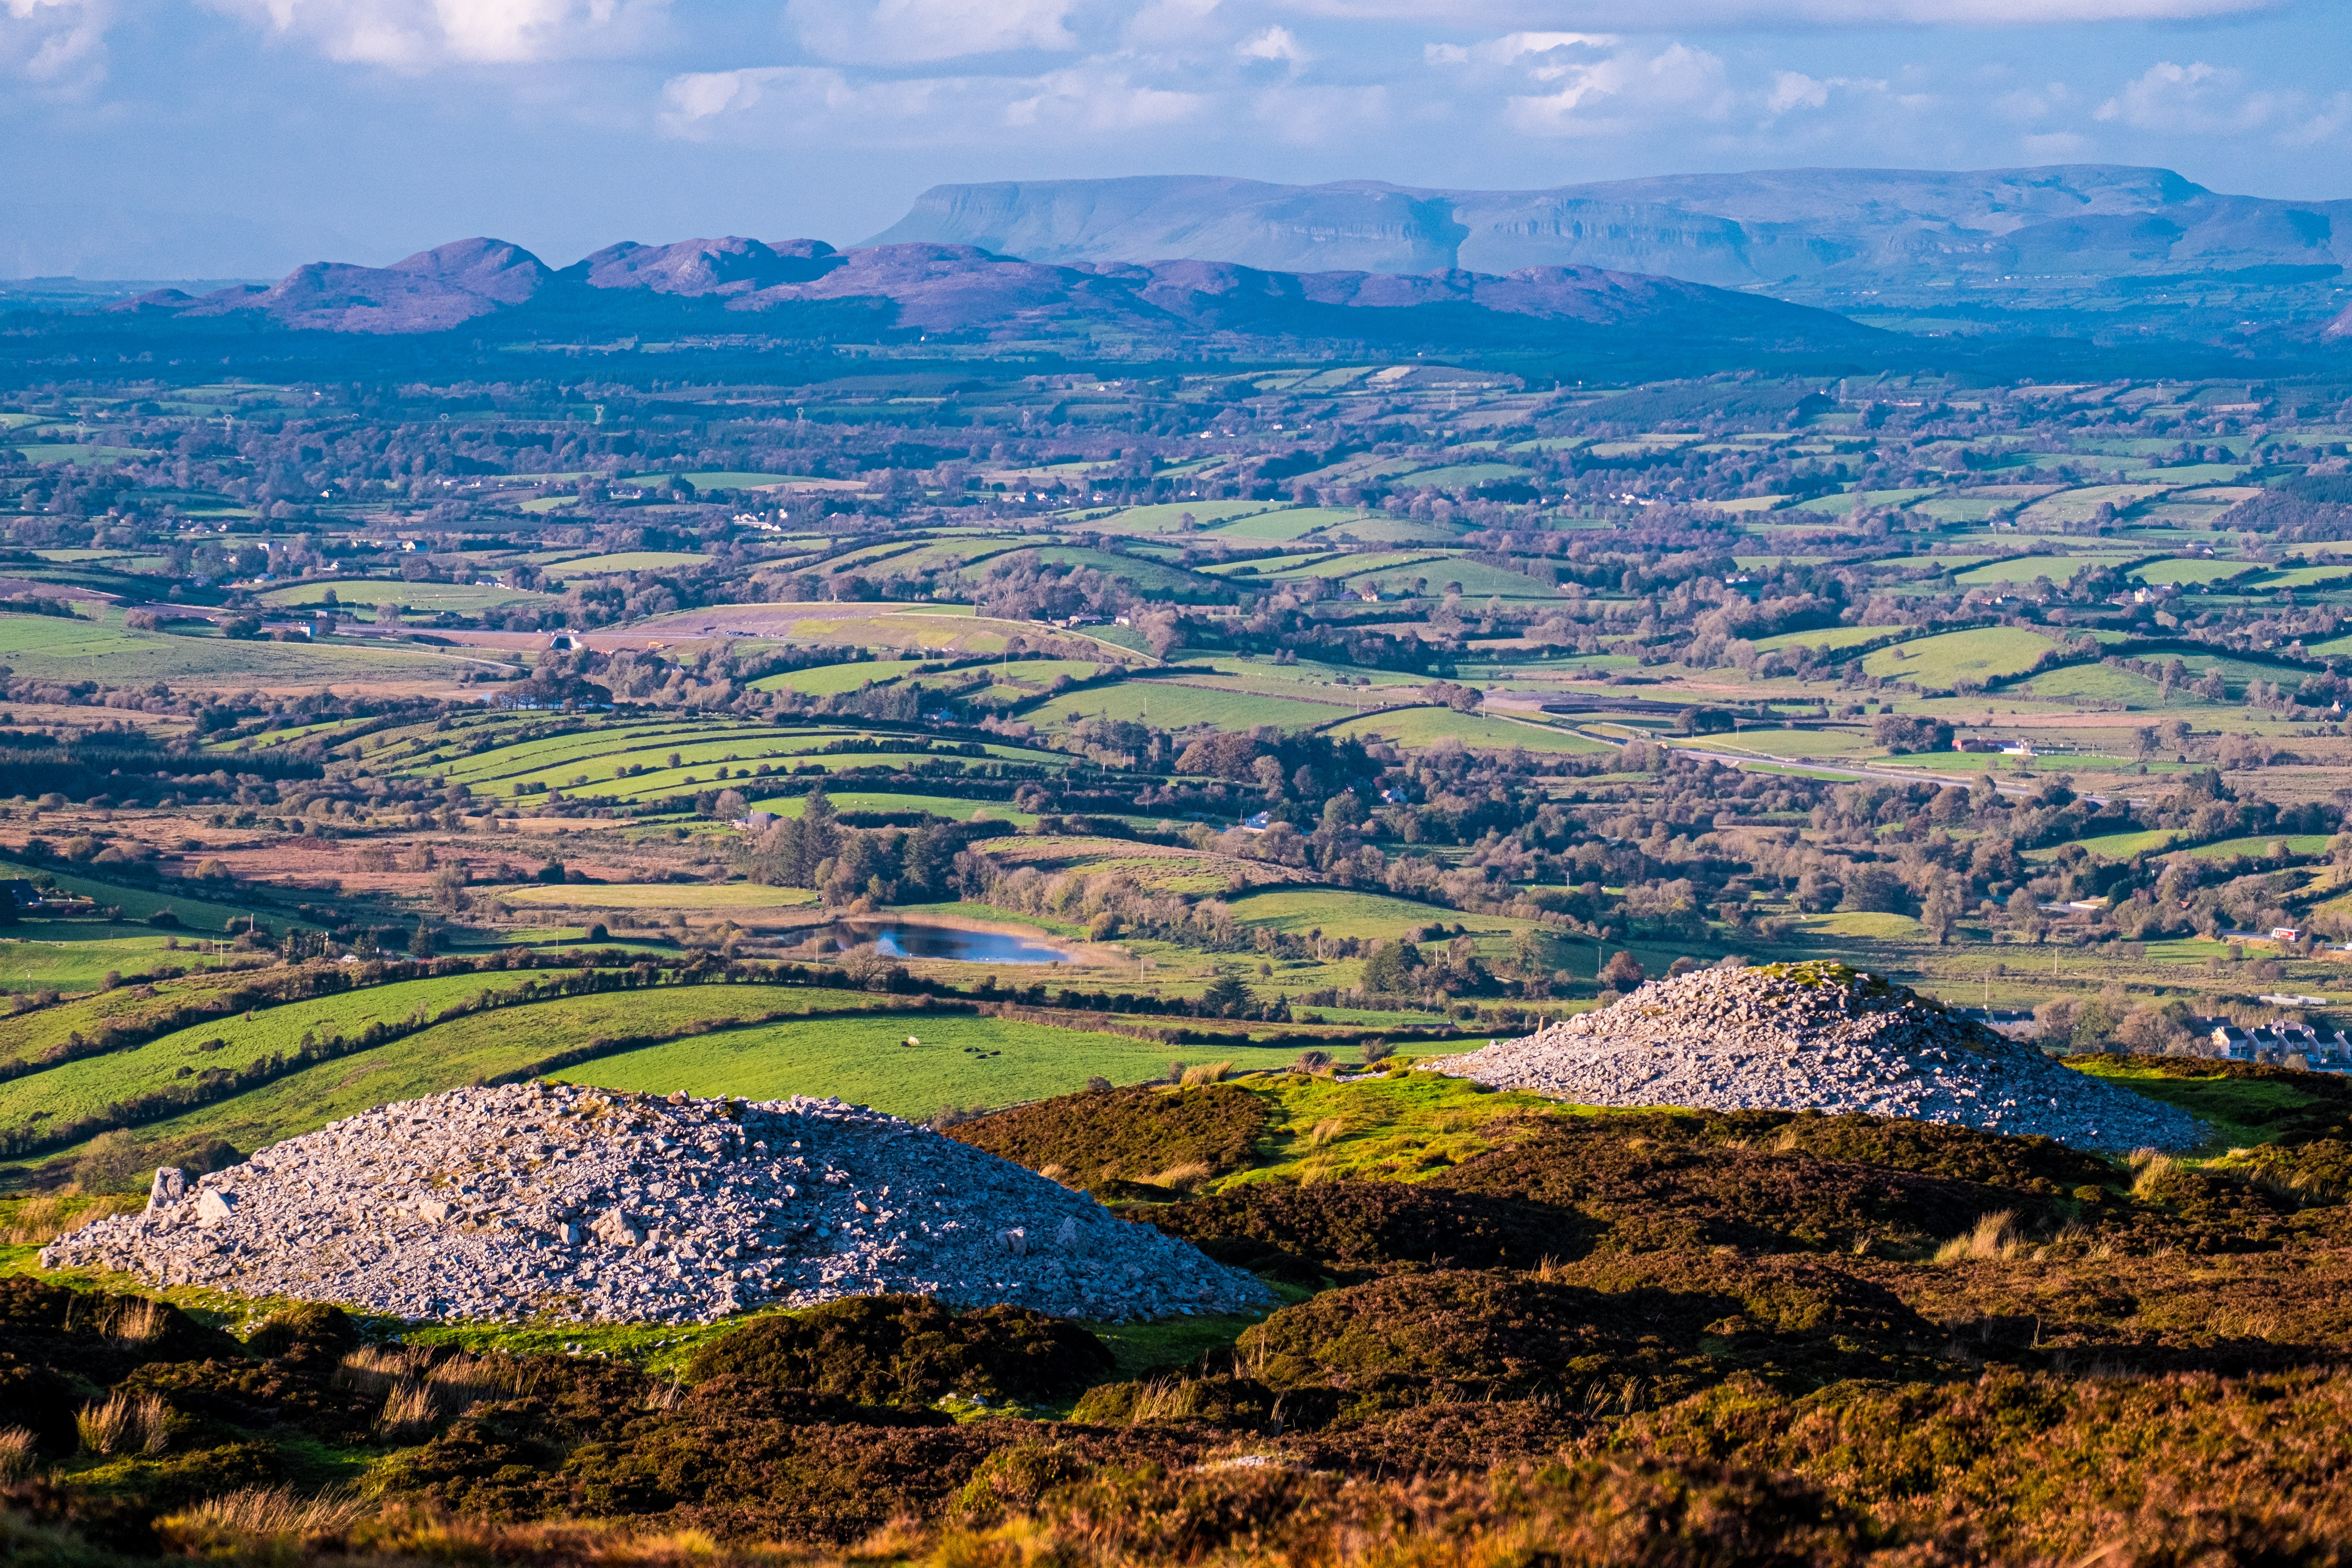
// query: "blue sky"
[[167, 138]]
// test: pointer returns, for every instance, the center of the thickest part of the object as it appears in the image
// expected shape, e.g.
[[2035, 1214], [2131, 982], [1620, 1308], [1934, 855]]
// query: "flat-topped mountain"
[[1807, 233]]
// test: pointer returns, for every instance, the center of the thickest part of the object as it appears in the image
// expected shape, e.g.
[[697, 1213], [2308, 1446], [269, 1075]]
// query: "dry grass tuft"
[[1329, 1130], [233, 1523], [2149, 1170], [139, 1320], [39, 1221], [125, 1424], [15, 1453], [1188, 1177], [1213, 1072], [1996, 1235], [422, 1387], [408, 1411]]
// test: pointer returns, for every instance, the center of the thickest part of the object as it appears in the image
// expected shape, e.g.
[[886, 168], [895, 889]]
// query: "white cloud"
[[2326, 124], [1621, 93], [1504, 50], [1172, 22], [2197, 97], [2026, 105], [1087, 98], [1273, 44], [823, 104], [904, 32], [1795, 89], [58, 46], [1667, 16], [417, 34]]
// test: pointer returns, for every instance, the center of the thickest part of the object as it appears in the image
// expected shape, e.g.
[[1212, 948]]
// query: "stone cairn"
[[555, 1201], [1824, 1038]]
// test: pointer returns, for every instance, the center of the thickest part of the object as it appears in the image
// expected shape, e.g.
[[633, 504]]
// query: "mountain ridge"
[[966, 292], [1821, 235]]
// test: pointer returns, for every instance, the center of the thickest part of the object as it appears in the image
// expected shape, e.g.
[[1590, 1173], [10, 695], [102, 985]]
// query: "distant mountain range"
[[2096, 236], [805, 288]]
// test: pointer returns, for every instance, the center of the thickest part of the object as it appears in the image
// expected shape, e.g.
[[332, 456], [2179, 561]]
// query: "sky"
[[239, 138]]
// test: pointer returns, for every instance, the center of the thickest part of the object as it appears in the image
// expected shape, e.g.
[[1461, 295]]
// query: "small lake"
[[906, 939]]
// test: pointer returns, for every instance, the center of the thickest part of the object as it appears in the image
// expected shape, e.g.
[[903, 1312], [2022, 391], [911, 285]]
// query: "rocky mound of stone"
[[557, 1201], [1818, 1037]]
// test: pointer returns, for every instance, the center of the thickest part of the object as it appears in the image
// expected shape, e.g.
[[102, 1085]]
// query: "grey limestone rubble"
[[1818, 1037], [558, 1201]]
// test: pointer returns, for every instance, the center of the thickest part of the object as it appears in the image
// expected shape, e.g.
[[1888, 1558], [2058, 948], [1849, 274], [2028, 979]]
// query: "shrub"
[[1646, 1192], [1101, 1135], [1356, 1230], [314, 1328], [910, 1351]]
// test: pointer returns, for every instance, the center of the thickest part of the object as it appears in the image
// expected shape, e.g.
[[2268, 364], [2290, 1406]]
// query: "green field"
[[828, 680], [1826, 636], [48, 647], [1462, 476], [1475, 580], [425, 744], [1851, 500], [729, 480], [1151, 578], [1167, 518], [1428, 726], [593, 760], [79, 1088], [949, 807], [1867, 926], [2079, 505], [1787, 742], [2303, 576], [2257, 846], [2022, 569], [1936, 662], [31, 960], [1960, 509], [1291, 522], [2100, 682], [1378, 529], [2191, 571], [863, 1061], [28, 1034], [2123, 846], [57, 452], [203, 910], [1338, 912], [632, 561], [457, 598], [1177, 705], [464, 1050]]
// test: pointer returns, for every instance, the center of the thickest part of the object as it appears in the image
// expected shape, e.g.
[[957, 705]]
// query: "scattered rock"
[[1818, 1037], [565, 1202]]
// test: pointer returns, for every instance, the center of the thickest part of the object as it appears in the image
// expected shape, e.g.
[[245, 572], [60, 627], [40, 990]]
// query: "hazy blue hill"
[[804, 288], [2015, 238]]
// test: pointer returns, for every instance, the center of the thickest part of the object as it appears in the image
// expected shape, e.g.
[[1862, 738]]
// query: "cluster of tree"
[[887, 864]]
